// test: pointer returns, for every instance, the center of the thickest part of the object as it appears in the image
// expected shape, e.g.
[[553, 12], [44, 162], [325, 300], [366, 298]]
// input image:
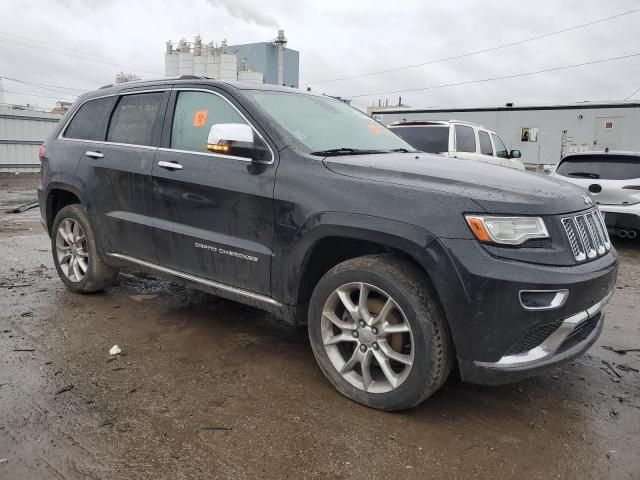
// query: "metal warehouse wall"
[[21, 133], [584, 126]]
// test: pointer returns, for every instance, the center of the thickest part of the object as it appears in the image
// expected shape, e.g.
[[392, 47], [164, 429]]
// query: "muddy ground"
[[206, 388]]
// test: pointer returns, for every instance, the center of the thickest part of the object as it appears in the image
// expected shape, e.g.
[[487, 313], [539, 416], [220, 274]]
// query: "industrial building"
[[21, 134], [264, 62], [542, 133]]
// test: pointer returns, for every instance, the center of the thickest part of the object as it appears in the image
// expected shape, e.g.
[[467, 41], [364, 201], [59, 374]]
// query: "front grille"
[[587, 235]]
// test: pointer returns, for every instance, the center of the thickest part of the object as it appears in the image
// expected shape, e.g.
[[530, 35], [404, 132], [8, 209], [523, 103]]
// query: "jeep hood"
[[496, 189]]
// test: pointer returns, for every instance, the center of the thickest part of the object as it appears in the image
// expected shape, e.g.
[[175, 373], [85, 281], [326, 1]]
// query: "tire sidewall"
[[90, 282], [417, 384]]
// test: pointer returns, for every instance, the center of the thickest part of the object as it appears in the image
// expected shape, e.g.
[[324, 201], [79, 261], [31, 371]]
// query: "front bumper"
[[498, 337], [573, 336]]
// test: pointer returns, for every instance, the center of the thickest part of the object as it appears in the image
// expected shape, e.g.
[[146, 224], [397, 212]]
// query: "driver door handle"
[[92, 154], [170, 165]]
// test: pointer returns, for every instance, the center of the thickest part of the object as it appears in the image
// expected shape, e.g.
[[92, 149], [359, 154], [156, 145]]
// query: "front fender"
[[414, 241]]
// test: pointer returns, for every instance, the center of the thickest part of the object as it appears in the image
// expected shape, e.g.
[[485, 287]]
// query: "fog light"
[[543, 299]]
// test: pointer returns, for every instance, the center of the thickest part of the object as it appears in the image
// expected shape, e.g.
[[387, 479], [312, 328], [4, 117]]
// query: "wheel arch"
[[59, 196], [331, 238]]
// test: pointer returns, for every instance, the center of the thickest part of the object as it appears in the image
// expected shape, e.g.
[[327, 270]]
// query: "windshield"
[[322, 124], [427, 139], [606, 167]]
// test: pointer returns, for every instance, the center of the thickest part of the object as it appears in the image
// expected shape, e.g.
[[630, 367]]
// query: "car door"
[[117, 172], [213, 213]]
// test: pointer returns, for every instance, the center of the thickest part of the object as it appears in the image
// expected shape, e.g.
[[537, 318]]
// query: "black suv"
[[401, 264]]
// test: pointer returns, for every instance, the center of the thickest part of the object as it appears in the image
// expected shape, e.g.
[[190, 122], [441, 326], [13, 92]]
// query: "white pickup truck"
[[458, 139]]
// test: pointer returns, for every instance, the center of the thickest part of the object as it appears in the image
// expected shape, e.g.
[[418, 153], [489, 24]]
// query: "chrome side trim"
[[556, 302], [550, 346], [117, 144], [194, 278]]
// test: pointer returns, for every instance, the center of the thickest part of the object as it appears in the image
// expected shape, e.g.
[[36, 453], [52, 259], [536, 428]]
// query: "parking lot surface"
[[208, 388]]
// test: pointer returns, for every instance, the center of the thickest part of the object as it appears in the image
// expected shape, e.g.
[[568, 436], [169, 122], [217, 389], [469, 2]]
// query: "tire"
[[417, 362], [73, 242]]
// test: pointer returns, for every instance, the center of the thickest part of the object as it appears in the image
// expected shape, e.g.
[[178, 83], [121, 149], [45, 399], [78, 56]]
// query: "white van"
[[458, 139]]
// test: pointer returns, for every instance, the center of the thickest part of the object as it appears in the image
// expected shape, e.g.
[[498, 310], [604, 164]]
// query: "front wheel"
[[378, 333], [75, 253]]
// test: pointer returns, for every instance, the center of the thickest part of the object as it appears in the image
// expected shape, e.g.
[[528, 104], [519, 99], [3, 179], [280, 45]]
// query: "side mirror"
[[234, 139], [515, 154]]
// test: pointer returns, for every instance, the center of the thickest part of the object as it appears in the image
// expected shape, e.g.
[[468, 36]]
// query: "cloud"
[[247, 11]]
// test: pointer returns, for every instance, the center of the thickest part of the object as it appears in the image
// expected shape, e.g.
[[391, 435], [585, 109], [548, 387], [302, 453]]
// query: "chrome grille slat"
[[576, 245], [596, 234], [587, 235], [607, 242], [584, 236]]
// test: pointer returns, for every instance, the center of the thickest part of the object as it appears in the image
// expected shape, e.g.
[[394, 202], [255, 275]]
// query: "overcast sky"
[[336, 39]]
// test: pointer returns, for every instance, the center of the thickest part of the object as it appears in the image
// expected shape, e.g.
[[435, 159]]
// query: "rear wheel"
[[75, 253], [378, 334]]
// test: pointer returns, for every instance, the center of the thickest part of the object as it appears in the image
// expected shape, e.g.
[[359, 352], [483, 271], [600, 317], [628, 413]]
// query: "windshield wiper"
[[584, 174], [332, 152], [401, 150]]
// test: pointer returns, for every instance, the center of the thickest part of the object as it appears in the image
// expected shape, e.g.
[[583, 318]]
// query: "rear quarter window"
[[604, 167], [426, 139], [90, 120]]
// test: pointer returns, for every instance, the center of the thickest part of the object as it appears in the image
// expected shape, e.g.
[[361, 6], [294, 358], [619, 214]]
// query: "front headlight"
[[506, 230]]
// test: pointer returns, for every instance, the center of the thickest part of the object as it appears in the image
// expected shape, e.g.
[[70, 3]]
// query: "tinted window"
[[194, 114], [485, 143], [606, 167], [501, 150], [465, 139], [90, 122], [135, 118], [426, 139]]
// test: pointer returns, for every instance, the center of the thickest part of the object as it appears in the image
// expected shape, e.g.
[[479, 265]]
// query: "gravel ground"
[[208, 388]]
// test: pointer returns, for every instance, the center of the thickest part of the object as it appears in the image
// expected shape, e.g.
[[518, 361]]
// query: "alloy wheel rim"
[[71, 250], [367, 337]]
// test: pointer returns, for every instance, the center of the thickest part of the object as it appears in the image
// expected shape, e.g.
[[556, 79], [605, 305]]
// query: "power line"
[[44, 86], [31, 94], [38, 45], [504, 77], [476, 52], [633, 94]]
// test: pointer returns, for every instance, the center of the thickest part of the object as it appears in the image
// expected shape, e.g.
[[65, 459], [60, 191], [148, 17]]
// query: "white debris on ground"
[[115, 350]]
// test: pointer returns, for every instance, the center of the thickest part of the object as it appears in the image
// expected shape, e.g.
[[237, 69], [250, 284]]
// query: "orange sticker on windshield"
[[375, 129], [200, 118]]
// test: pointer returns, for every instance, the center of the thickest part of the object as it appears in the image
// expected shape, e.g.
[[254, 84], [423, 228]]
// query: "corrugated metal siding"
[[20, 135]]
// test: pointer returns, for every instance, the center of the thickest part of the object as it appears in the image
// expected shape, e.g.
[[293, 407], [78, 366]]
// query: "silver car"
[[613, 180]]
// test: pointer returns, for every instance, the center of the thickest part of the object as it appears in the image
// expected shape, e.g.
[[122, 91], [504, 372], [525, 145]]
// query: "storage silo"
[[228, 66], [170, 62]]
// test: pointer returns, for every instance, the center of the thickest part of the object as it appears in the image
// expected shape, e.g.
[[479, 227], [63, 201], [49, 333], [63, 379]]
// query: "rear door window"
[[426, 139], [195, 112], [90, 121], [485, 143], [605, 167], [465, 139], [501, 150], [135, 119]]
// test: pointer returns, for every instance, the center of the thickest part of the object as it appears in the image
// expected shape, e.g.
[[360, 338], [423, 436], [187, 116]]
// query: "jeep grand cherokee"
[[403, 266]]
